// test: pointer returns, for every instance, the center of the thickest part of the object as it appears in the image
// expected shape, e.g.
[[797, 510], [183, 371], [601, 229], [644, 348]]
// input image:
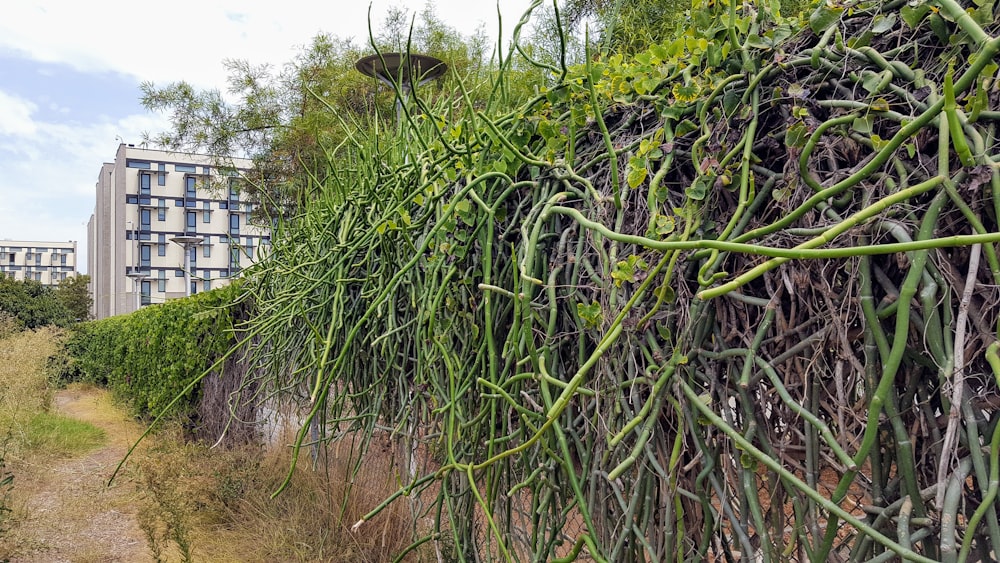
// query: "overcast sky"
[[70, 73]]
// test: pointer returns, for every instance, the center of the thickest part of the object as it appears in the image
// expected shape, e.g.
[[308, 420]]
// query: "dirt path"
[[70, 515]]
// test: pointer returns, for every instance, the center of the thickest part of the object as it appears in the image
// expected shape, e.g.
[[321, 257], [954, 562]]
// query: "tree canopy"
[[31, 304]]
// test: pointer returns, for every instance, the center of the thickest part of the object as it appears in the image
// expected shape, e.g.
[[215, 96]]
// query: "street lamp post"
[[137, 279], [186, 242], [406, 69]]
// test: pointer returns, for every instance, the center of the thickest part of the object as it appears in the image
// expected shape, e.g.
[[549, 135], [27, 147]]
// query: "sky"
[[70, 72]]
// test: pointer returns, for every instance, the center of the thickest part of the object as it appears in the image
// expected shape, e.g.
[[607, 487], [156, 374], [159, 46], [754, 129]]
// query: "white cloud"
[[188, 39], [48, 167], [48, 171], [15, 115]]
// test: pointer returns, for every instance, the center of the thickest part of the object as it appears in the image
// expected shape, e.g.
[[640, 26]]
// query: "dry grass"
[[24, 388], [217, 506], [176, 500]]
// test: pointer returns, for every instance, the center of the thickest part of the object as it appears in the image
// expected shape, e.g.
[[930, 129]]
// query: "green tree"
[[290, 119], [74, 294], [32, 304]]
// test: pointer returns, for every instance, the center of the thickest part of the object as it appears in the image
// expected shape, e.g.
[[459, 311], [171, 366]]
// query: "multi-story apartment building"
[[166, 225], [42, 261]]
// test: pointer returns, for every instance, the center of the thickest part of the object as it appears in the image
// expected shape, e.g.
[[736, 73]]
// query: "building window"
[[161, 179], [234, 224], [38, 259], [184, 167], [145, 293], [234, 259], [178, 273], [190, 190], [161, 211], [193, 256], [62, 259], [207, 285], [161, 281], [11, 258], [144, 256], [249, 247], [140, 164], [144, 184], [192, 220], [206, 250], [194, 287], [206, 214], [161, 246], [144, 219]]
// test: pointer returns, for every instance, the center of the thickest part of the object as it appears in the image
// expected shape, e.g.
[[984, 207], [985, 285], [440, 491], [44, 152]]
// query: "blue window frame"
[[161, 211], [144, 184], [206, 250], [178, 273], [145, 293], [207, 285], [234, 224], [144, 219], [144, 256], [192, 220], [140, 164], [161, 246], [190, 188], [184, 167], [161, 178]]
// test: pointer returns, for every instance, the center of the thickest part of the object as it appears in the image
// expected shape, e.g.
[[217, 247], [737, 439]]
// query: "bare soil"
[[64, 509]]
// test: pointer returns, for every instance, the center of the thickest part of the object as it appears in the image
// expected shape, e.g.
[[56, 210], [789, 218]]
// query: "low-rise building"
[[166, 225], [43, 261]]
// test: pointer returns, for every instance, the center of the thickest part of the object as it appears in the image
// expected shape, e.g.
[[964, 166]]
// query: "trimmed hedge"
[[148, 357]]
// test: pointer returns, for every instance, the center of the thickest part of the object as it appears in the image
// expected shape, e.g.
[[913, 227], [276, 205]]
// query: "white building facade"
[[166, 225], [43, 261]]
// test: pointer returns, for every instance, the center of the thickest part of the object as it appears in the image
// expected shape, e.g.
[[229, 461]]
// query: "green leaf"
[[664, 225], [500, 166], [883, 23], [591, 314], [626, 270], [667, 293], [796, 136], [863, 125], [636, 176], [463, 206], [912, 15], [697, 190], [824, 16], [940, 28], [664, 332]]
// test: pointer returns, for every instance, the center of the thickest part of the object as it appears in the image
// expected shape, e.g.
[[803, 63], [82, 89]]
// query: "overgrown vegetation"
[[6, 486], [706, 291], [153, 356], [731, 295], [29, 304]]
